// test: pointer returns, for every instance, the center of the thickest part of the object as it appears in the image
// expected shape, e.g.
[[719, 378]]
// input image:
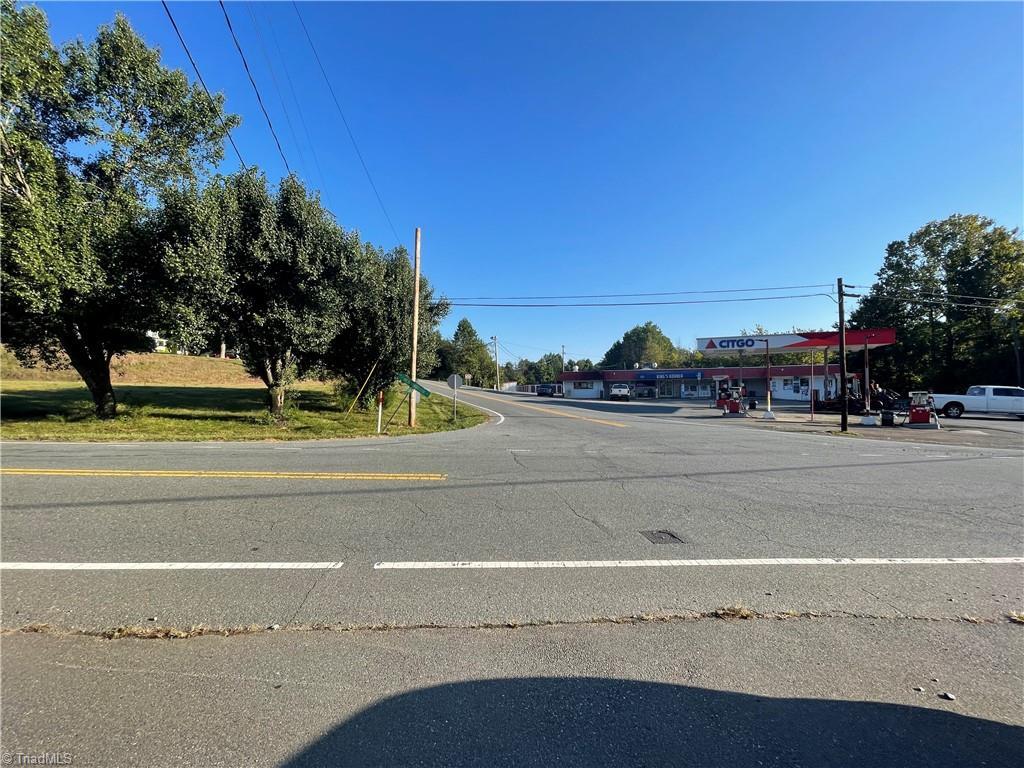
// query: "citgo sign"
[[729, 344]]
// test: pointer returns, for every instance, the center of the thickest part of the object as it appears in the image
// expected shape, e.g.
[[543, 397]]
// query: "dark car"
[[545, 390]]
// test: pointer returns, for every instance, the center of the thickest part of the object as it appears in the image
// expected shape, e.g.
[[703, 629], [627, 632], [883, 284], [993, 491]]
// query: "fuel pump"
[[922, 411]]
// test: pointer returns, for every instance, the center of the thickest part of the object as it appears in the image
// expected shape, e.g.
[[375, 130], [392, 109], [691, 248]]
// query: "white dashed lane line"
[[775, 562], [157, 566]]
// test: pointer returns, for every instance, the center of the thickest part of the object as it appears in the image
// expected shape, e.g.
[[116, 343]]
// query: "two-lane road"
[[550, 514]]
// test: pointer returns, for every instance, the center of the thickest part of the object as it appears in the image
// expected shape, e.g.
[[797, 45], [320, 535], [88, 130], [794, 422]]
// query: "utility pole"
[[844, 419], [497, 369], [1016, 350], [867, 380], [563, 358], [415, 328]]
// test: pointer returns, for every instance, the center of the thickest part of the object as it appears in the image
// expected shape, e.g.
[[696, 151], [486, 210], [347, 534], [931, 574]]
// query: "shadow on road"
[[607, 722]]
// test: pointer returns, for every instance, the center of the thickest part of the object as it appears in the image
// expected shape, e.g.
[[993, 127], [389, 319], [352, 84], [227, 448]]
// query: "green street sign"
[[412, 384]]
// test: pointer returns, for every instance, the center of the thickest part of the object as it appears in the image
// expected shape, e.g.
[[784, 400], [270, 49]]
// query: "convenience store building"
[[794, 382]]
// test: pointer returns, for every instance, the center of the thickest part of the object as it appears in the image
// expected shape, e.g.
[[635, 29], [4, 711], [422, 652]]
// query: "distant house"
[[159, 343]]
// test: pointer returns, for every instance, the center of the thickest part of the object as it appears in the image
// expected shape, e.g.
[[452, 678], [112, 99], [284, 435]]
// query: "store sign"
[[734, 344], [729, 343]]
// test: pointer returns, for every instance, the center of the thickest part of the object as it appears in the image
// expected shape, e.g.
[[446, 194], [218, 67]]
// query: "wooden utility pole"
[[415, 328], [844, 419], [497, 370]]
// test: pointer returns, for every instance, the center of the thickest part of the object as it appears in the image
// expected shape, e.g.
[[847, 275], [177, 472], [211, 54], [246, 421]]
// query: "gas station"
[[778, 382], [814, 379]]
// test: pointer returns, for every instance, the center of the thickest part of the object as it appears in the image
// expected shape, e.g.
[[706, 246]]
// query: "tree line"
[[954, 292], [115, 225], [468, 354]]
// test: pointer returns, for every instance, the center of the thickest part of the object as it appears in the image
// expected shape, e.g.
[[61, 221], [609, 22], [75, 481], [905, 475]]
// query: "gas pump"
[[719, 394], [922, 411], [730, 400]]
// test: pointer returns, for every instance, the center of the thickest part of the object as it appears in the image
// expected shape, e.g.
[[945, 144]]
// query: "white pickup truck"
[[986, 399]]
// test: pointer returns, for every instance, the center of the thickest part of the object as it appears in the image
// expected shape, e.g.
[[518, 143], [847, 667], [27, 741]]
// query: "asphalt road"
[[487, 597]]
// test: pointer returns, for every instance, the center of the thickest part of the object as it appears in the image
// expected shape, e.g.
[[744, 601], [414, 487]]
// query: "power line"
[[907, 299], [942, 294], [993, 299], [259, 97], [302, 118], [632, 295], [273, 80], [568, 353], [344, 120], [202, 82], [648, 303]]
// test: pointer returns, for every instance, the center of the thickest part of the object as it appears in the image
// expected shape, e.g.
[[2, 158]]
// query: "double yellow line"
[[222, 474], [550, 411]]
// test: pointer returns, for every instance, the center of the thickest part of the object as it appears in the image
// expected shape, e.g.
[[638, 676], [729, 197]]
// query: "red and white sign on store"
[[796, 342]]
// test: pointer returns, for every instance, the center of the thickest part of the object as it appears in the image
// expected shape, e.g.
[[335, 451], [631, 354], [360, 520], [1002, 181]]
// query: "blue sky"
[[551, 149]]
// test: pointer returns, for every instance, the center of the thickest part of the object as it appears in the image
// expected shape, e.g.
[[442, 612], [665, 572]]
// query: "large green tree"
[[945, 339], [289, 265], [375, 344], [642, 344], [470, 355], [90, 138]]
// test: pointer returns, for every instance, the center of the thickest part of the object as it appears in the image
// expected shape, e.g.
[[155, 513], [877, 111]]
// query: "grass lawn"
[[63, 410]]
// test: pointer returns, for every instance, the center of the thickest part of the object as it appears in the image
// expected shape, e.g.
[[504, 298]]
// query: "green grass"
[[59, 410]]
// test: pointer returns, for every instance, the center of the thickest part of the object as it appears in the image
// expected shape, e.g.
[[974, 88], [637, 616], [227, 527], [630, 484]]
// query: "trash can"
[[752, 404], [888, 418]]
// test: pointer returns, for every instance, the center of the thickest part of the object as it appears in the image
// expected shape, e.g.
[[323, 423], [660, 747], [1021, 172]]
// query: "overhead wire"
[[199, 75], [940, 302], [943, 294], [644, 303], [252, 81], [633, 295], [344, 120], [273, 80], [302, 118]]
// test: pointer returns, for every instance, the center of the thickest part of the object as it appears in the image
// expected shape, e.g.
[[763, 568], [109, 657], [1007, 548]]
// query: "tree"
[[375, 345], [584, 364], [642, 344], [288, 264], [945, 340], [470, 355], [90, 138]]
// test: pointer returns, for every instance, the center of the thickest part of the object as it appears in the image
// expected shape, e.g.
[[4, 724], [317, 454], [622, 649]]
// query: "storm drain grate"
[[661, 537]]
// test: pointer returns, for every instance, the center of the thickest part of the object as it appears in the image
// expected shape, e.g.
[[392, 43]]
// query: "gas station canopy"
[[797, 342]]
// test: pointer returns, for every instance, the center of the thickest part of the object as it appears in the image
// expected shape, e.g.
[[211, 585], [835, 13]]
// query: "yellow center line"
[[552, 411], [226, 474]]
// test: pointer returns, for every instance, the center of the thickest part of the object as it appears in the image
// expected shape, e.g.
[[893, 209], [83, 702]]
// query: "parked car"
[[619, 392], [546, 390], [982, 399]]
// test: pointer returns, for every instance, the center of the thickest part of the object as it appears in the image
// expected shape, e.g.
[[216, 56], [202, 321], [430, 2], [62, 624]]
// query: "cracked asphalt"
[[539, 666]]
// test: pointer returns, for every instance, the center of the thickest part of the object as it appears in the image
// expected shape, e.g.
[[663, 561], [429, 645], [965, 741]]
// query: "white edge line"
[[169, 566], [797, 561], [477, 405]]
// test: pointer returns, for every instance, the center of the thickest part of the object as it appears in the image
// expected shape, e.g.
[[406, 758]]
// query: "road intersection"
[[512, 551]]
